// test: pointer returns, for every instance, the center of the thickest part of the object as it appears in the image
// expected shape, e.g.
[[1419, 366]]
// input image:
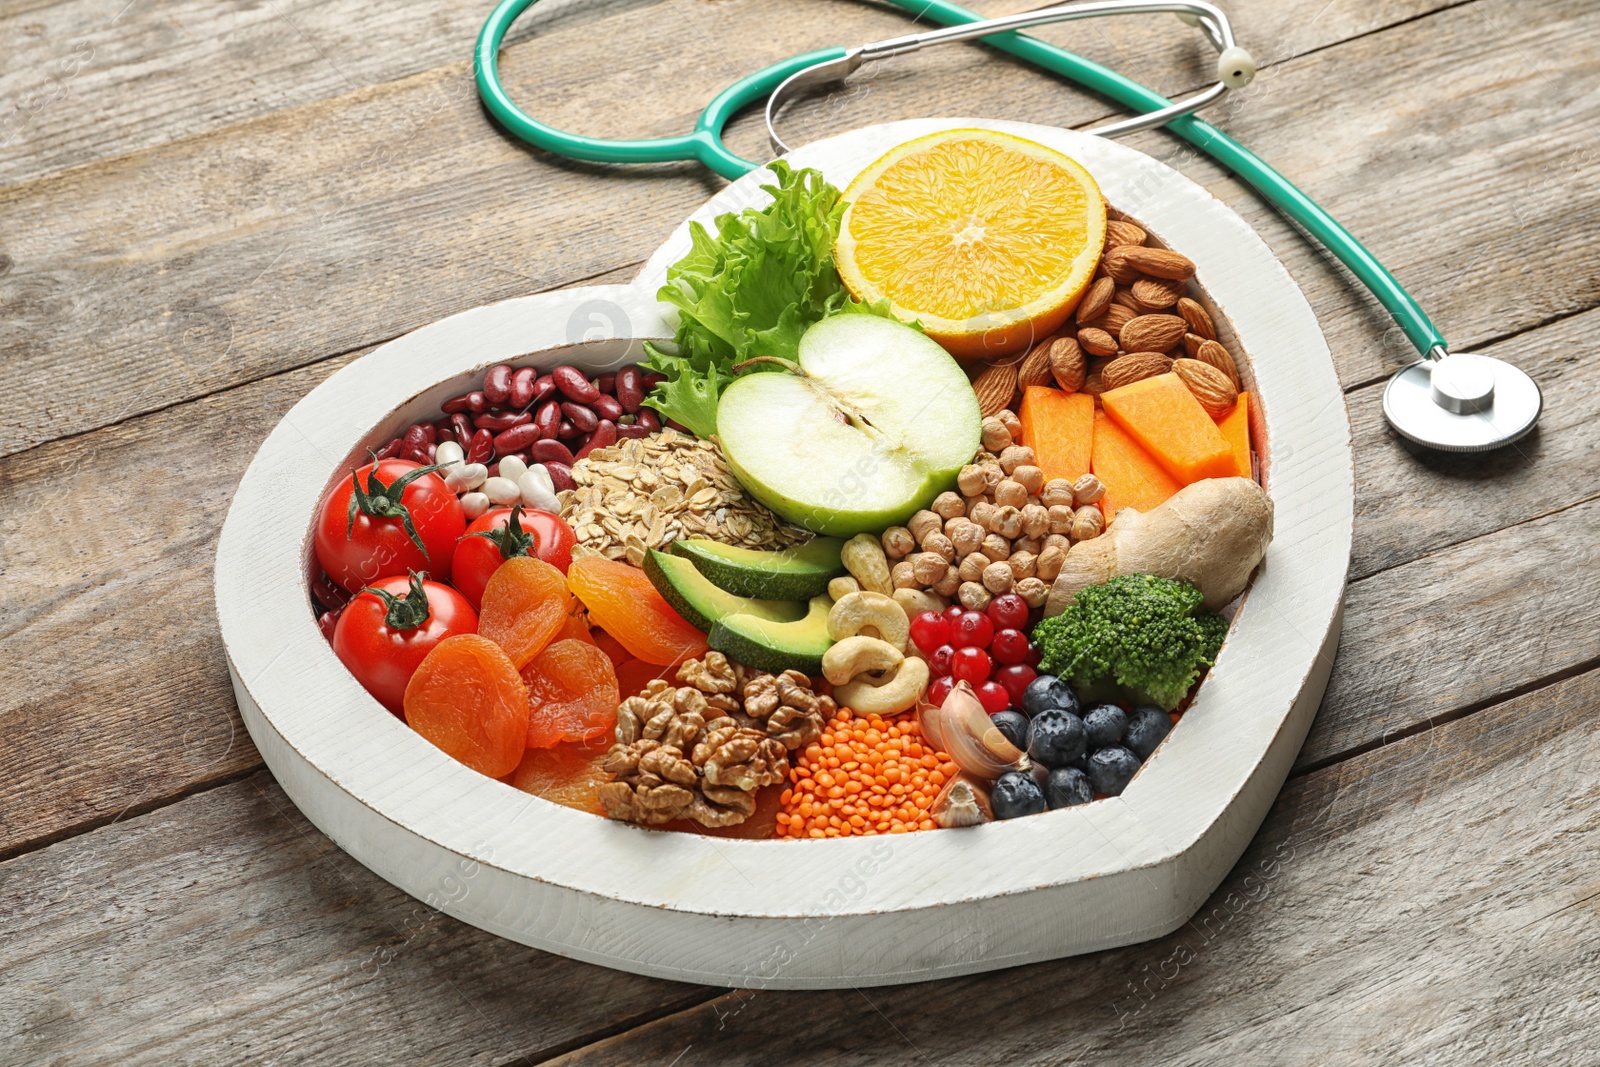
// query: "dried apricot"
[[467, 698], [609, 645], [576, 628], [572, 691], [569, 775], [634, 674], [621, 599], [524, 607]]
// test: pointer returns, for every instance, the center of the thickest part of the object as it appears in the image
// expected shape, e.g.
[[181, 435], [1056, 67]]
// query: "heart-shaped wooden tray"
[[802, 914]]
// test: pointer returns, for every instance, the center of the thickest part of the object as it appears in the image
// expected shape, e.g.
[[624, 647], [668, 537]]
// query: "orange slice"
[[987, 239]]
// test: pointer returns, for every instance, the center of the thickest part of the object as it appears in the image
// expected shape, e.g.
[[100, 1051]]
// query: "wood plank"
[[146, 712], [92, 79], [1467, 625], [1366, 923], [226, 929], [1430, 903], [305, 223]]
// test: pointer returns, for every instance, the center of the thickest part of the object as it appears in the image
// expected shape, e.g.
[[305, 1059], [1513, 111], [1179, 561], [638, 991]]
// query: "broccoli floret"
[[1148, 635]]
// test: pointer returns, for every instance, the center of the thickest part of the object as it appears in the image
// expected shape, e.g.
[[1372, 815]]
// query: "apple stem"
[[787, 364]]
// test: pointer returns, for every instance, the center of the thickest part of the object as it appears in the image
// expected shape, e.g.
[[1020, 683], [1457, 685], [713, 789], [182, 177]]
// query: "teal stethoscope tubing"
[[704, 143]]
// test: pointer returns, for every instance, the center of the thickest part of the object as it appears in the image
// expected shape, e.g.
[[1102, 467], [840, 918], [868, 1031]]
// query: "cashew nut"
[[857, 655], [864, 558], [894, 694], [872, 614]]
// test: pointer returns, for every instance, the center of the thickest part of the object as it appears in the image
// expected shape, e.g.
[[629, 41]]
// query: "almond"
[[1125, 297], [1208, 384], [1067, 364], [995, 386], [1123, 233], [1152, 333], [1198, 319], [1134, 367], [1191, 345], [1157, 292], [1095, 301], [1035, 368], [1157, 262], [1093, 385], [1097, 342], [1214, 353], [1115, 318], [1115, 264]]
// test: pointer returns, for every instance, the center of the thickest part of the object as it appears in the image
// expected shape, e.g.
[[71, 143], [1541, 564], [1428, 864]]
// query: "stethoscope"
[[1458, 402]]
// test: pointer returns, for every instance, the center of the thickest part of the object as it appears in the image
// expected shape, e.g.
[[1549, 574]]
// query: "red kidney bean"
[[433, 450], [649, 419], [608, 407], [676, 425], [476, 402], [481, 448], [327, 622], [551, 451], [392, 449], [495, 421], [568, 431], [560, 474], [631, 432], [457, 404], [328, 593], [497, 384], [447, 434], [516, 438], [463, 428], [543, 386], [630, 388], [415, 437], [652, 379], [582, 417], [415, 453], [604, 436], [574, 385], [430, 432], [522, 387], [548, 419], [606, 382]]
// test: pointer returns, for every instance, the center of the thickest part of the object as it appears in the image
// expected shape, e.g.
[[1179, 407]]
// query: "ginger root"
[[1211, 533]]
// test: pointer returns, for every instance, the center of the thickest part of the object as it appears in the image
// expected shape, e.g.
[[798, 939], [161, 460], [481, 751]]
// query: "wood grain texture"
[[1415, 905], [309, 220], [226, 929]]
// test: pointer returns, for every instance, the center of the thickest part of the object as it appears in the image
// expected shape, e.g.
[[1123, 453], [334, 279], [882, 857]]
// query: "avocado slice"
[[776, 646], [693, 596], [786, 574]]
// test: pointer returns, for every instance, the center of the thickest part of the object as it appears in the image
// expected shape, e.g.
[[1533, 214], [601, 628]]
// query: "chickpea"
[[1060, 518], [928, 567], [941, 546], [996, 548], [948, 585], [967, 536], [924, 523], [1010, 494], [1033, 592], [1056, 491], [1007, 523], [1016, 456], [997, 578], [1049, 563], [1035, 520], [970, 480], [898, 542], [973, 596], [996, 435], [1061, 541], [973, 501], [993, 475], [1087, 489], [948, 506], [1031, 477], [903, 575], [1027, 544], [1087, 522], [983, 514], [1013, 424], [1023, 564], [971, 569]]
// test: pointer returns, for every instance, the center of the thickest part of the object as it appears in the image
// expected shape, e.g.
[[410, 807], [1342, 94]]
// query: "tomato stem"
[[379, 501], [511, 539], [404, 612]]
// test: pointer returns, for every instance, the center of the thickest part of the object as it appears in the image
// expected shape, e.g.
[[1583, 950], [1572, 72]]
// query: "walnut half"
[[791, 713]]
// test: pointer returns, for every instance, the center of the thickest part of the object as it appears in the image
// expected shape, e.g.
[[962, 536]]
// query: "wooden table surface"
[[207, 206]]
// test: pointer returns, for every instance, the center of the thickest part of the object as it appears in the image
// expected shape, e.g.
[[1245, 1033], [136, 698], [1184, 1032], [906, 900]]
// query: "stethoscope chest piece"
[[1462, 403]]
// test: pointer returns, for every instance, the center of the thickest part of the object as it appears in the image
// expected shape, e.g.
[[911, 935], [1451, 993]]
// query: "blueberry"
[[1014, 725], [1016, 794], [1146, 727], [1046, 692], [1068, 786], [1104, 725], [1111, 769], [1055, 738]]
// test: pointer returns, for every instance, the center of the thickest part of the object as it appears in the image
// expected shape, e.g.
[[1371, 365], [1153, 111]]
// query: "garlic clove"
[[964, 801], [963, 730]]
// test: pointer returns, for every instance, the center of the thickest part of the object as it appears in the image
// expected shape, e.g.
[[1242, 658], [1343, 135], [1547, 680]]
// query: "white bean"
[[474, 504], [502, 491], [466, 477], [448, 454], [535, 495], [542, 474], [511, 467]]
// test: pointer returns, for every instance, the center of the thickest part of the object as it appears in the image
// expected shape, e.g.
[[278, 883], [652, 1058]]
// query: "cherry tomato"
[[365, 532], [971, 665], [391, 626], [930, 630], [500, 534]]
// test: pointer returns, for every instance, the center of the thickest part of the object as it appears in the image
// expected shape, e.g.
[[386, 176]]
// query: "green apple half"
[[872, 423]]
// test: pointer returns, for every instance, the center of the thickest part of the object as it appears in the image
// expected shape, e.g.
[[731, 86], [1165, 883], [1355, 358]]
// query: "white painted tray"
[[801, 914]]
